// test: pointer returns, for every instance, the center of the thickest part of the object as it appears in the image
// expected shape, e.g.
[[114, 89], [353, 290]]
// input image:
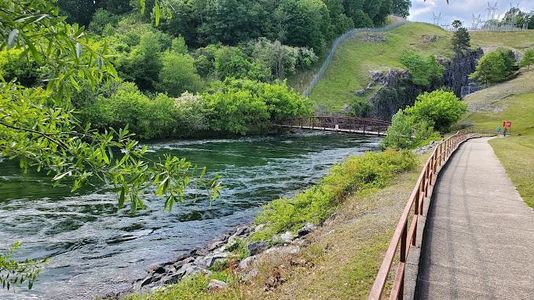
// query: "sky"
[[461, 9]]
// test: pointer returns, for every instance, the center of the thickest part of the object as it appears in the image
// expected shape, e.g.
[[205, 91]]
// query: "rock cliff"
[[393, 89]]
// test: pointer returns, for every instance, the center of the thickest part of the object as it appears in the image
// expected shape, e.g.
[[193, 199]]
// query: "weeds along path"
[[397, 22]]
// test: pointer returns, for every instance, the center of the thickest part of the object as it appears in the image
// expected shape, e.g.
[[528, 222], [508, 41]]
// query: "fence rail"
[[405, 233], [340, 124]]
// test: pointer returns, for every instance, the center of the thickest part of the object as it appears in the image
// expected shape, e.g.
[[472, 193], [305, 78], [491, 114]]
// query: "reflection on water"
[[94, 248]]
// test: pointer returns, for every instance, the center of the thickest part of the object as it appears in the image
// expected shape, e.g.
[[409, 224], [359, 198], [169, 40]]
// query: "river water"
[[94, 248]]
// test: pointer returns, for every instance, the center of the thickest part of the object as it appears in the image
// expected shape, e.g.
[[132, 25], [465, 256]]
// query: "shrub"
[[528, 58], [414, 126], [440, 109], [148, 118], [190, 121], [178, 74], [423, 70], [406, 133], [247, 106], [495, 66], [236, 112], [316, 204], [232, 62]]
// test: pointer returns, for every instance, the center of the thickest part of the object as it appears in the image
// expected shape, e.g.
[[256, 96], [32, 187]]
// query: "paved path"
[[479, 239]]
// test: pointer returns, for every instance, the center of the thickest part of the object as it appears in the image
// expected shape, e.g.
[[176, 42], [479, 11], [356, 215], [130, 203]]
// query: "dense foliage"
[[310, 23], [424, 70], [496, 66], [416, 125], [235, 106]]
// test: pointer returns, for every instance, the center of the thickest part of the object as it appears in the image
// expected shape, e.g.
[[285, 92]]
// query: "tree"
[[495, 66], [528, 59], [243, 106], [416, 125], [401, 8], [178, 74], [461, 41], [303, 23], [143, 63], [423, 70], [456, 24], [515, 17], [101, 19], [39, 128], [340, 21], [440, 109]]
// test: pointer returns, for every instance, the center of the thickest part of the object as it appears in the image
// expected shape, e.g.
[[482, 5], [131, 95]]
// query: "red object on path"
[[507, 124]]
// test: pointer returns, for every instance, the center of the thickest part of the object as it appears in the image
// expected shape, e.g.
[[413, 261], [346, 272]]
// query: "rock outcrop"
[[393, 89]]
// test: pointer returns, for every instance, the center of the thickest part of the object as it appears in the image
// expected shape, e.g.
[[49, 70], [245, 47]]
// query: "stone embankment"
[[202, 260]]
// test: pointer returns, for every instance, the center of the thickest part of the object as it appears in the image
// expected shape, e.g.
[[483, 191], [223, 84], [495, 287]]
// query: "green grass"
[[516, 152], [352, 62], [519, 40], [195, 287], [317, 203]]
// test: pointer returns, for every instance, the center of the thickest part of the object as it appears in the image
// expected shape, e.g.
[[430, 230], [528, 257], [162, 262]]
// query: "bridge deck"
[[479, 236], [366, 132]]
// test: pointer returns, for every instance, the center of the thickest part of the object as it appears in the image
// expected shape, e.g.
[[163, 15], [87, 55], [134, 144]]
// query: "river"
[[94, 248]]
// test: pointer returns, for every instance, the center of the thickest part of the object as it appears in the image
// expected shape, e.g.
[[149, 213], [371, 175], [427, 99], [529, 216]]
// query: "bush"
[[190, 121], [414, 126], [246, 106], [232, 62], [178, 74], [423, 70], [148, 118], [495, 66], [316, 204], [440, 109], [528, 58], [407, 133], [236, 112]]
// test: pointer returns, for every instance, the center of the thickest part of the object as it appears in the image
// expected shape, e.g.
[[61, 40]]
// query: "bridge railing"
[[360, 125], [405, 233]]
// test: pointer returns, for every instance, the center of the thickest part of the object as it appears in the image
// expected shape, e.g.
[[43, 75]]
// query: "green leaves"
[[15, 273], [424, 70], [495, 66]]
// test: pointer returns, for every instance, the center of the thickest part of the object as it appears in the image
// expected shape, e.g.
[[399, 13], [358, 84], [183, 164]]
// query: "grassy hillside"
[[514, 101], [519, 40], [350, 67]]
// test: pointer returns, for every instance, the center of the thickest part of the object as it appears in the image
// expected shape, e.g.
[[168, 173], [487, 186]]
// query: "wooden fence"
[[405, 233]]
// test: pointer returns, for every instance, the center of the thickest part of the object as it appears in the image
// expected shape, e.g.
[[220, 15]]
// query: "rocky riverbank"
[[219, 253]]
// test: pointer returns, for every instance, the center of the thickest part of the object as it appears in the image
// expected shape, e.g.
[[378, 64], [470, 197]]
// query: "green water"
[[94, 248]]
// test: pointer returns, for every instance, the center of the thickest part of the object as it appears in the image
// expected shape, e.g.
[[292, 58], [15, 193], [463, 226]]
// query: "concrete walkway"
[[479, 236]]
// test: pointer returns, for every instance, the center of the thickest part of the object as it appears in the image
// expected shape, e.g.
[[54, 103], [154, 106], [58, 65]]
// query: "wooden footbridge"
[[367, 126]]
